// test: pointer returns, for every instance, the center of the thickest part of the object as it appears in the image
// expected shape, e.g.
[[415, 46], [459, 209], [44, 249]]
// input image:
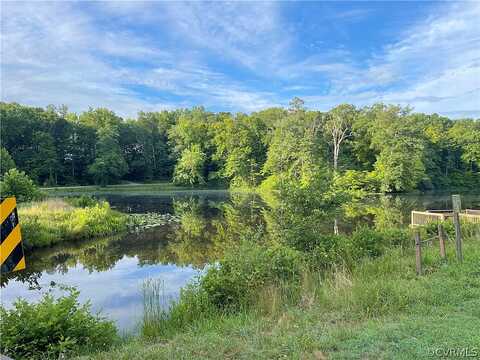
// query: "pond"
[[110, 272]]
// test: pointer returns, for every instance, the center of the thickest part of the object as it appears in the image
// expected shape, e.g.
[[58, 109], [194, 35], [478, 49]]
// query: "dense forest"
[[381, 147]]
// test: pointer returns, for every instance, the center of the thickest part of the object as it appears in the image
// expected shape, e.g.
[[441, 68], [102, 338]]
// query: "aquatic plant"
[[138, 222]]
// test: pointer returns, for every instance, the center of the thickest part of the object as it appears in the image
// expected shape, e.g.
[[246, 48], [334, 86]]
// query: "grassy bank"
[[51, 221], [377, 309], [162, 186]]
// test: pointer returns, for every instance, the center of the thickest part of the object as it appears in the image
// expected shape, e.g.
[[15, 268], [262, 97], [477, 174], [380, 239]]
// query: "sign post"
[[12, 257]]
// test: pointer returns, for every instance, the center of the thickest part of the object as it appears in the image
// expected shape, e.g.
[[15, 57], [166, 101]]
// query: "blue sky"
[[242, 56]]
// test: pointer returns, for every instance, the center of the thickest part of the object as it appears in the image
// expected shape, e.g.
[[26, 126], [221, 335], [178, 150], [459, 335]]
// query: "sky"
[[241, 56]]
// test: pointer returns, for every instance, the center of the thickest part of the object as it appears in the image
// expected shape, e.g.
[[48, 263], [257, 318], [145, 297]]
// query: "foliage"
[[235, 281], [229, 286], [109, 165], [398, 170], [295, 151], [17, 183], [338, 127], [333, 250], [53, 328], [368, 312], [356, 183], [51, 221], [241, 148], [467, 229], [190, 168], [390, 148], [6, 161], [302, 213]]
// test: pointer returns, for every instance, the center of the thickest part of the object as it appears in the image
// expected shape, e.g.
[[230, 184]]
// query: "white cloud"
[[235, 56], [247, 33], [59, 53], [52, 53], [435, 67]]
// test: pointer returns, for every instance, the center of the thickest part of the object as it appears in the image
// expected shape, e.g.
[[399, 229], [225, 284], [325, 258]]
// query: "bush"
[[53, 328], [329, 250], [468, 229], [364, 242], [229, 286], [17, 183], [234, 282]]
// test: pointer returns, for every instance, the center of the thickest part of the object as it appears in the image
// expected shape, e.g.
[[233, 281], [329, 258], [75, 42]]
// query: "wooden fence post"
[[456, 220], [441, 238], [418, 252]]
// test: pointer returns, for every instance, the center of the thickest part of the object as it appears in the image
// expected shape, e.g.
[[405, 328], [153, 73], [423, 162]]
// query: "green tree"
[[109, 165], [338, 126], [294, 150], [241, 149], [6, 161], [399, 142], [190, 168], [465, 134], [42, 161], [296, 104], [17, 183]]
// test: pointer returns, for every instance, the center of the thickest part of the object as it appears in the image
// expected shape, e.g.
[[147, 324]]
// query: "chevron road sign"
[[11, 248]]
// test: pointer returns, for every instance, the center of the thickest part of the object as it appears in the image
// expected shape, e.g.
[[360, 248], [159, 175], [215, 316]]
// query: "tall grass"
[[155, 307], [52, 221], [257, 279], [378, 308]]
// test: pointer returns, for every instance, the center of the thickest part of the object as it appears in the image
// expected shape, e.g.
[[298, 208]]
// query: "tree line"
[[386, 148]]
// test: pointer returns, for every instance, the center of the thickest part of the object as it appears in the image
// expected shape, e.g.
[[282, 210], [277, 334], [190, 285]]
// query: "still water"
[[110, 272]]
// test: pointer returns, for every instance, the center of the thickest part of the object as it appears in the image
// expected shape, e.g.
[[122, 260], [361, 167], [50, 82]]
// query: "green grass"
[[52, 221], [378, 310]]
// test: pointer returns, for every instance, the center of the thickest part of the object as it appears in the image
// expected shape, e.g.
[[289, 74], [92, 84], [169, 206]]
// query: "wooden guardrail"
[[425, 217], [439, 216], [473, 218]]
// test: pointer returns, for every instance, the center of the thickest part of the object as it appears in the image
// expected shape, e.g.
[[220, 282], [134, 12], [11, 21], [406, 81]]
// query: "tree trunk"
[[154, 160], [336, 148]]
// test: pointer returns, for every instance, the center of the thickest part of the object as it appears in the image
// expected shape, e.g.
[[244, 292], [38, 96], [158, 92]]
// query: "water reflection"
[[110, 271]]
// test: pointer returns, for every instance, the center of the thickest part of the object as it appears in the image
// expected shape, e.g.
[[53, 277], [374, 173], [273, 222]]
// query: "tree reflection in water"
[[205, 229]]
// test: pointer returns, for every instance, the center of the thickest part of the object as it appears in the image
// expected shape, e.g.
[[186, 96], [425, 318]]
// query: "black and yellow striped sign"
[[11, 249]]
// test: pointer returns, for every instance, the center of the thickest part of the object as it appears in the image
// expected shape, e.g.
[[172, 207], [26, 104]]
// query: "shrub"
[[329, 250], [469, 230], [53, 328], [17, 183], [229, 286], [397, 236], [332, 249], [365, 241], [233, 283]]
